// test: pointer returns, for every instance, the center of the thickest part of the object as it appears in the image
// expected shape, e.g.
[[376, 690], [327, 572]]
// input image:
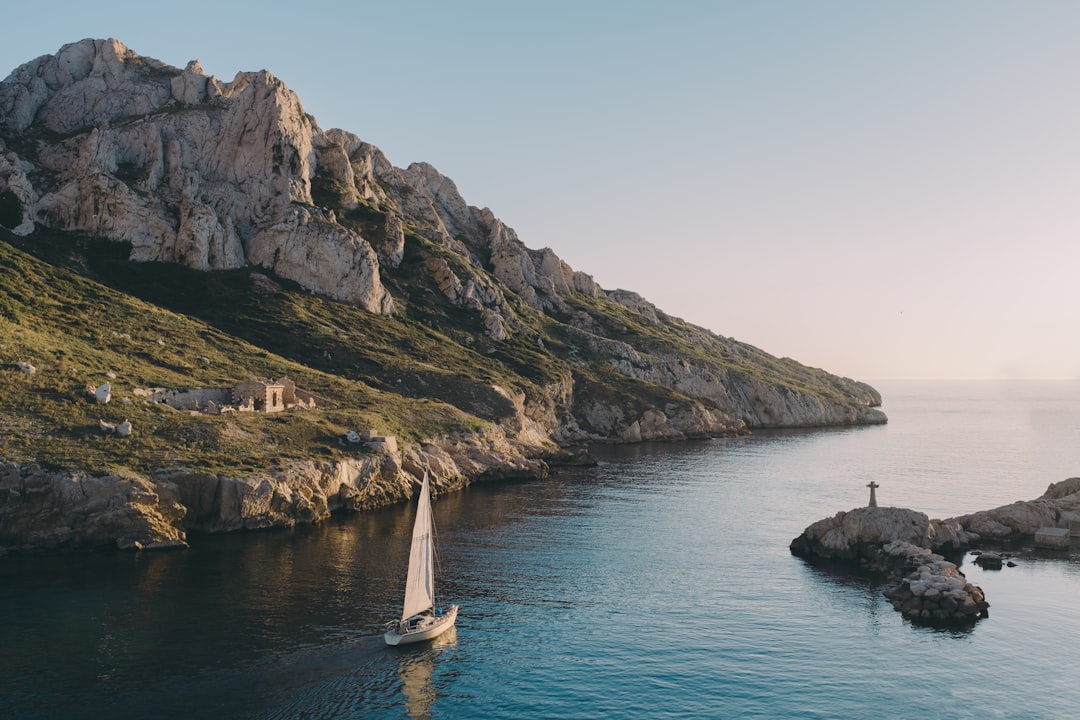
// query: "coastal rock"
[[1059, 504], [45, 510], [989, 560], [895, 542], [891, 540], [847, 535]]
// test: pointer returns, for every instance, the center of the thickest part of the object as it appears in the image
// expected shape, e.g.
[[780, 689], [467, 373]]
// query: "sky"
[[880, 189]]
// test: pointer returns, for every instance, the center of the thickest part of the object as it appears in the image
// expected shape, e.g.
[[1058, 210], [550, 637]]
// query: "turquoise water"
[[658, 584]]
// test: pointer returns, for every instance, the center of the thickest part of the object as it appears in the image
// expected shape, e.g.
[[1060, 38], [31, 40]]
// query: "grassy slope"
[[75, 330]]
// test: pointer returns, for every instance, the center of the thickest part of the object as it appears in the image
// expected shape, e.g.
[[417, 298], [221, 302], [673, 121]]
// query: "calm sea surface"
[[656, 585]]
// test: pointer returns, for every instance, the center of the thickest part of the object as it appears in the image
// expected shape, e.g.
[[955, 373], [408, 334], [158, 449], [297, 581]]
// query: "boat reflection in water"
[[416, 670]]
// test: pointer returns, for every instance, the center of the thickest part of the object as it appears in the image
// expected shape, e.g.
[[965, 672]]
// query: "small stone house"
[[258, 395], [262, 395]]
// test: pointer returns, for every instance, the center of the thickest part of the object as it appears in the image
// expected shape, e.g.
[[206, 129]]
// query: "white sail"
[[420, 584]]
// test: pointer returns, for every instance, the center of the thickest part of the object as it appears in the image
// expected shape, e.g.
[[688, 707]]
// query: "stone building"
[[261, 395], [257, 395]]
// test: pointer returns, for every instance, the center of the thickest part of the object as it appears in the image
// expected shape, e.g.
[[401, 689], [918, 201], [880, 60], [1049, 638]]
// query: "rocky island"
[[163, 228], [909, 549]]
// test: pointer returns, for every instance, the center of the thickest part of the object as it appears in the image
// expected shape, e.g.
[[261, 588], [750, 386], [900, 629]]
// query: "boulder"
[[103, 393]]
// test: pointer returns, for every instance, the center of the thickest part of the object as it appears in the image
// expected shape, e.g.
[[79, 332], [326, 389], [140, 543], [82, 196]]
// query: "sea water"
[[657, 584]]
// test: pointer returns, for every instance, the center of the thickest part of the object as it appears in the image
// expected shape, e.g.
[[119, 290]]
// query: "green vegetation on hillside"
[[76, 331]]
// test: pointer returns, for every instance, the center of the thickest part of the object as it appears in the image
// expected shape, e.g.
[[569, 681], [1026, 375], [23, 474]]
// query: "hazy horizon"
[[885, 191]]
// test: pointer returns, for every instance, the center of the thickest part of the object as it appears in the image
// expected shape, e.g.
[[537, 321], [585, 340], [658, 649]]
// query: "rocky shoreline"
[[903, 546], [45, 510]]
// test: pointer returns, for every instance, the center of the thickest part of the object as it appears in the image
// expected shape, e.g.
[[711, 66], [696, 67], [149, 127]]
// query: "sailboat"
[[421, 619]]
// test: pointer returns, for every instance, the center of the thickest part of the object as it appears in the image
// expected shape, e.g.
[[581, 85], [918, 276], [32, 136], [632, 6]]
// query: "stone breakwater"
[[932, 590], [901, 543]]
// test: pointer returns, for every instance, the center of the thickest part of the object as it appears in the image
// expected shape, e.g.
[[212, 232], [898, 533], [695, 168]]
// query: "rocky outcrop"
[[895, 543], [858, 535], [182, 166], [47, 510], [900, 542], [301, 493], [846, 535], [1059, 505]]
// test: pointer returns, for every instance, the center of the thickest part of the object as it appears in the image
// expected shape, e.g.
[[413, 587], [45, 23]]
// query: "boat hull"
[[426, 630]]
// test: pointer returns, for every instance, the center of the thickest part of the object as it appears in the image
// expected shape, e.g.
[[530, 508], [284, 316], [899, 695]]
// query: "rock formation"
[[900, 543], [1057, 507], [180, 165], [43, 510], [103, 393], [46, 510]]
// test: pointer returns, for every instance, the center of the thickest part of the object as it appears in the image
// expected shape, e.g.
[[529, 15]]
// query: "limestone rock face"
[[184, 167], [304, 493], [45, 510], [312, 250]]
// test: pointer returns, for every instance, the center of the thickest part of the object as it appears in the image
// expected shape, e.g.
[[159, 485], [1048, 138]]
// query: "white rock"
[[103, 393], [124, 428]]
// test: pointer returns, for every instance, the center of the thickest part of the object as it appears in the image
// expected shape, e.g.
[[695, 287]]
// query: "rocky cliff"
[[312, 246], [47, 510]]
